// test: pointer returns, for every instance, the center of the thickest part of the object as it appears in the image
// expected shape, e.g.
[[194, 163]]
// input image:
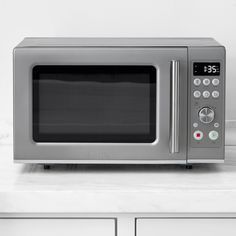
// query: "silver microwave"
[[119, 100]]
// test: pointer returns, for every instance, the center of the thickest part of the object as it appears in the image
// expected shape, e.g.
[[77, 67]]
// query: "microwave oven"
[[119, 100]]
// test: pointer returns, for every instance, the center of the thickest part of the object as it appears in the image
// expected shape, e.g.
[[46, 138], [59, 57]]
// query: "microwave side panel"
[[206, 105]]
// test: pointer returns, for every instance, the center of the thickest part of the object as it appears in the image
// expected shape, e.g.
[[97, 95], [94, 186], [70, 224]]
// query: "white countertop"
[[208, 188]]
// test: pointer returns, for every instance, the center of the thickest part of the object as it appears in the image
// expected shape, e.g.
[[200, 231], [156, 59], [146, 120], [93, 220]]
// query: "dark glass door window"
[[111, 104]]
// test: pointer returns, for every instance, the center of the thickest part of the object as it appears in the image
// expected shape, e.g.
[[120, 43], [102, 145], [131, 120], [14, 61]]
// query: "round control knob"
[[206, 115]]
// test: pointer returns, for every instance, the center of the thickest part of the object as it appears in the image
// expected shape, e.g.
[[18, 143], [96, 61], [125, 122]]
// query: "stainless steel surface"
[[32, 161], [196, 161], [118, 42], [174, 133], [26, 149], [230, 132], [206, 115], [207, 149]]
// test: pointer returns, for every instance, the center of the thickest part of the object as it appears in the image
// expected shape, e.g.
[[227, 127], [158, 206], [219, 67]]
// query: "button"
[[206, 115], [213, 135], [197, 94], [215, 94], [216, 125], [195, 125], [198, 135], [197, 81], [215, 82], [206, 82], [206, 94]]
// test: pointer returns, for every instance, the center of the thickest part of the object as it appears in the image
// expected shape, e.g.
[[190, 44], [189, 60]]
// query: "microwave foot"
[[46, 167], [189, 167]]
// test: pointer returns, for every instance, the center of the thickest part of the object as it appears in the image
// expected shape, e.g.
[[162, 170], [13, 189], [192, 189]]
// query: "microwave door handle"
[[174, 108]]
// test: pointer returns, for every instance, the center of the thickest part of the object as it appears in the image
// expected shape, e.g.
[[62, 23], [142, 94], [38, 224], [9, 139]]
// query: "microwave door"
[[94, 104], [101, 105]]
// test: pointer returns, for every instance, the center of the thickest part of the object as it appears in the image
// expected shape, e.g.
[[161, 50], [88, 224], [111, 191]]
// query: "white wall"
[[147, 18]]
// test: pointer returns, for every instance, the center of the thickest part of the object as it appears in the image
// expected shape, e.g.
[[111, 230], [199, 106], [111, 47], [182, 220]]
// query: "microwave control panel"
[[207, 110]]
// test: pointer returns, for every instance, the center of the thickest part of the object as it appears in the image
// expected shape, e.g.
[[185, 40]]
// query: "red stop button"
[[198, 135]]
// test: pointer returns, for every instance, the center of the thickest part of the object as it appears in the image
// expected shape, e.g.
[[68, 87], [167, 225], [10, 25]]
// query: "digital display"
[[206, 68]]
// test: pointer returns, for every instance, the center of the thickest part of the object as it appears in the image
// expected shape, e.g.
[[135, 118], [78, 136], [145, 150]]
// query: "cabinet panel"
[[57, 227], [186, 227]]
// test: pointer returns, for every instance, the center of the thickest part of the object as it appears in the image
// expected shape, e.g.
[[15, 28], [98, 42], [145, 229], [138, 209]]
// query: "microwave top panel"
[[117, 42]]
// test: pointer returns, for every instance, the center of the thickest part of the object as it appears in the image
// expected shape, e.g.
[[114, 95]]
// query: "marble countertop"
[[207, 188]]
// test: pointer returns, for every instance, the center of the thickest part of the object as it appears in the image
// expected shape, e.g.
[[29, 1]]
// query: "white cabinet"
[[57, 227], [120, 226], [186, 227]]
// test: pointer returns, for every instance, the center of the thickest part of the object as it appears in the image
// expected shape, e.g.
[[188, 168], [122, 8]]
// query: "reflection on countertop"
[[28, 188]]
